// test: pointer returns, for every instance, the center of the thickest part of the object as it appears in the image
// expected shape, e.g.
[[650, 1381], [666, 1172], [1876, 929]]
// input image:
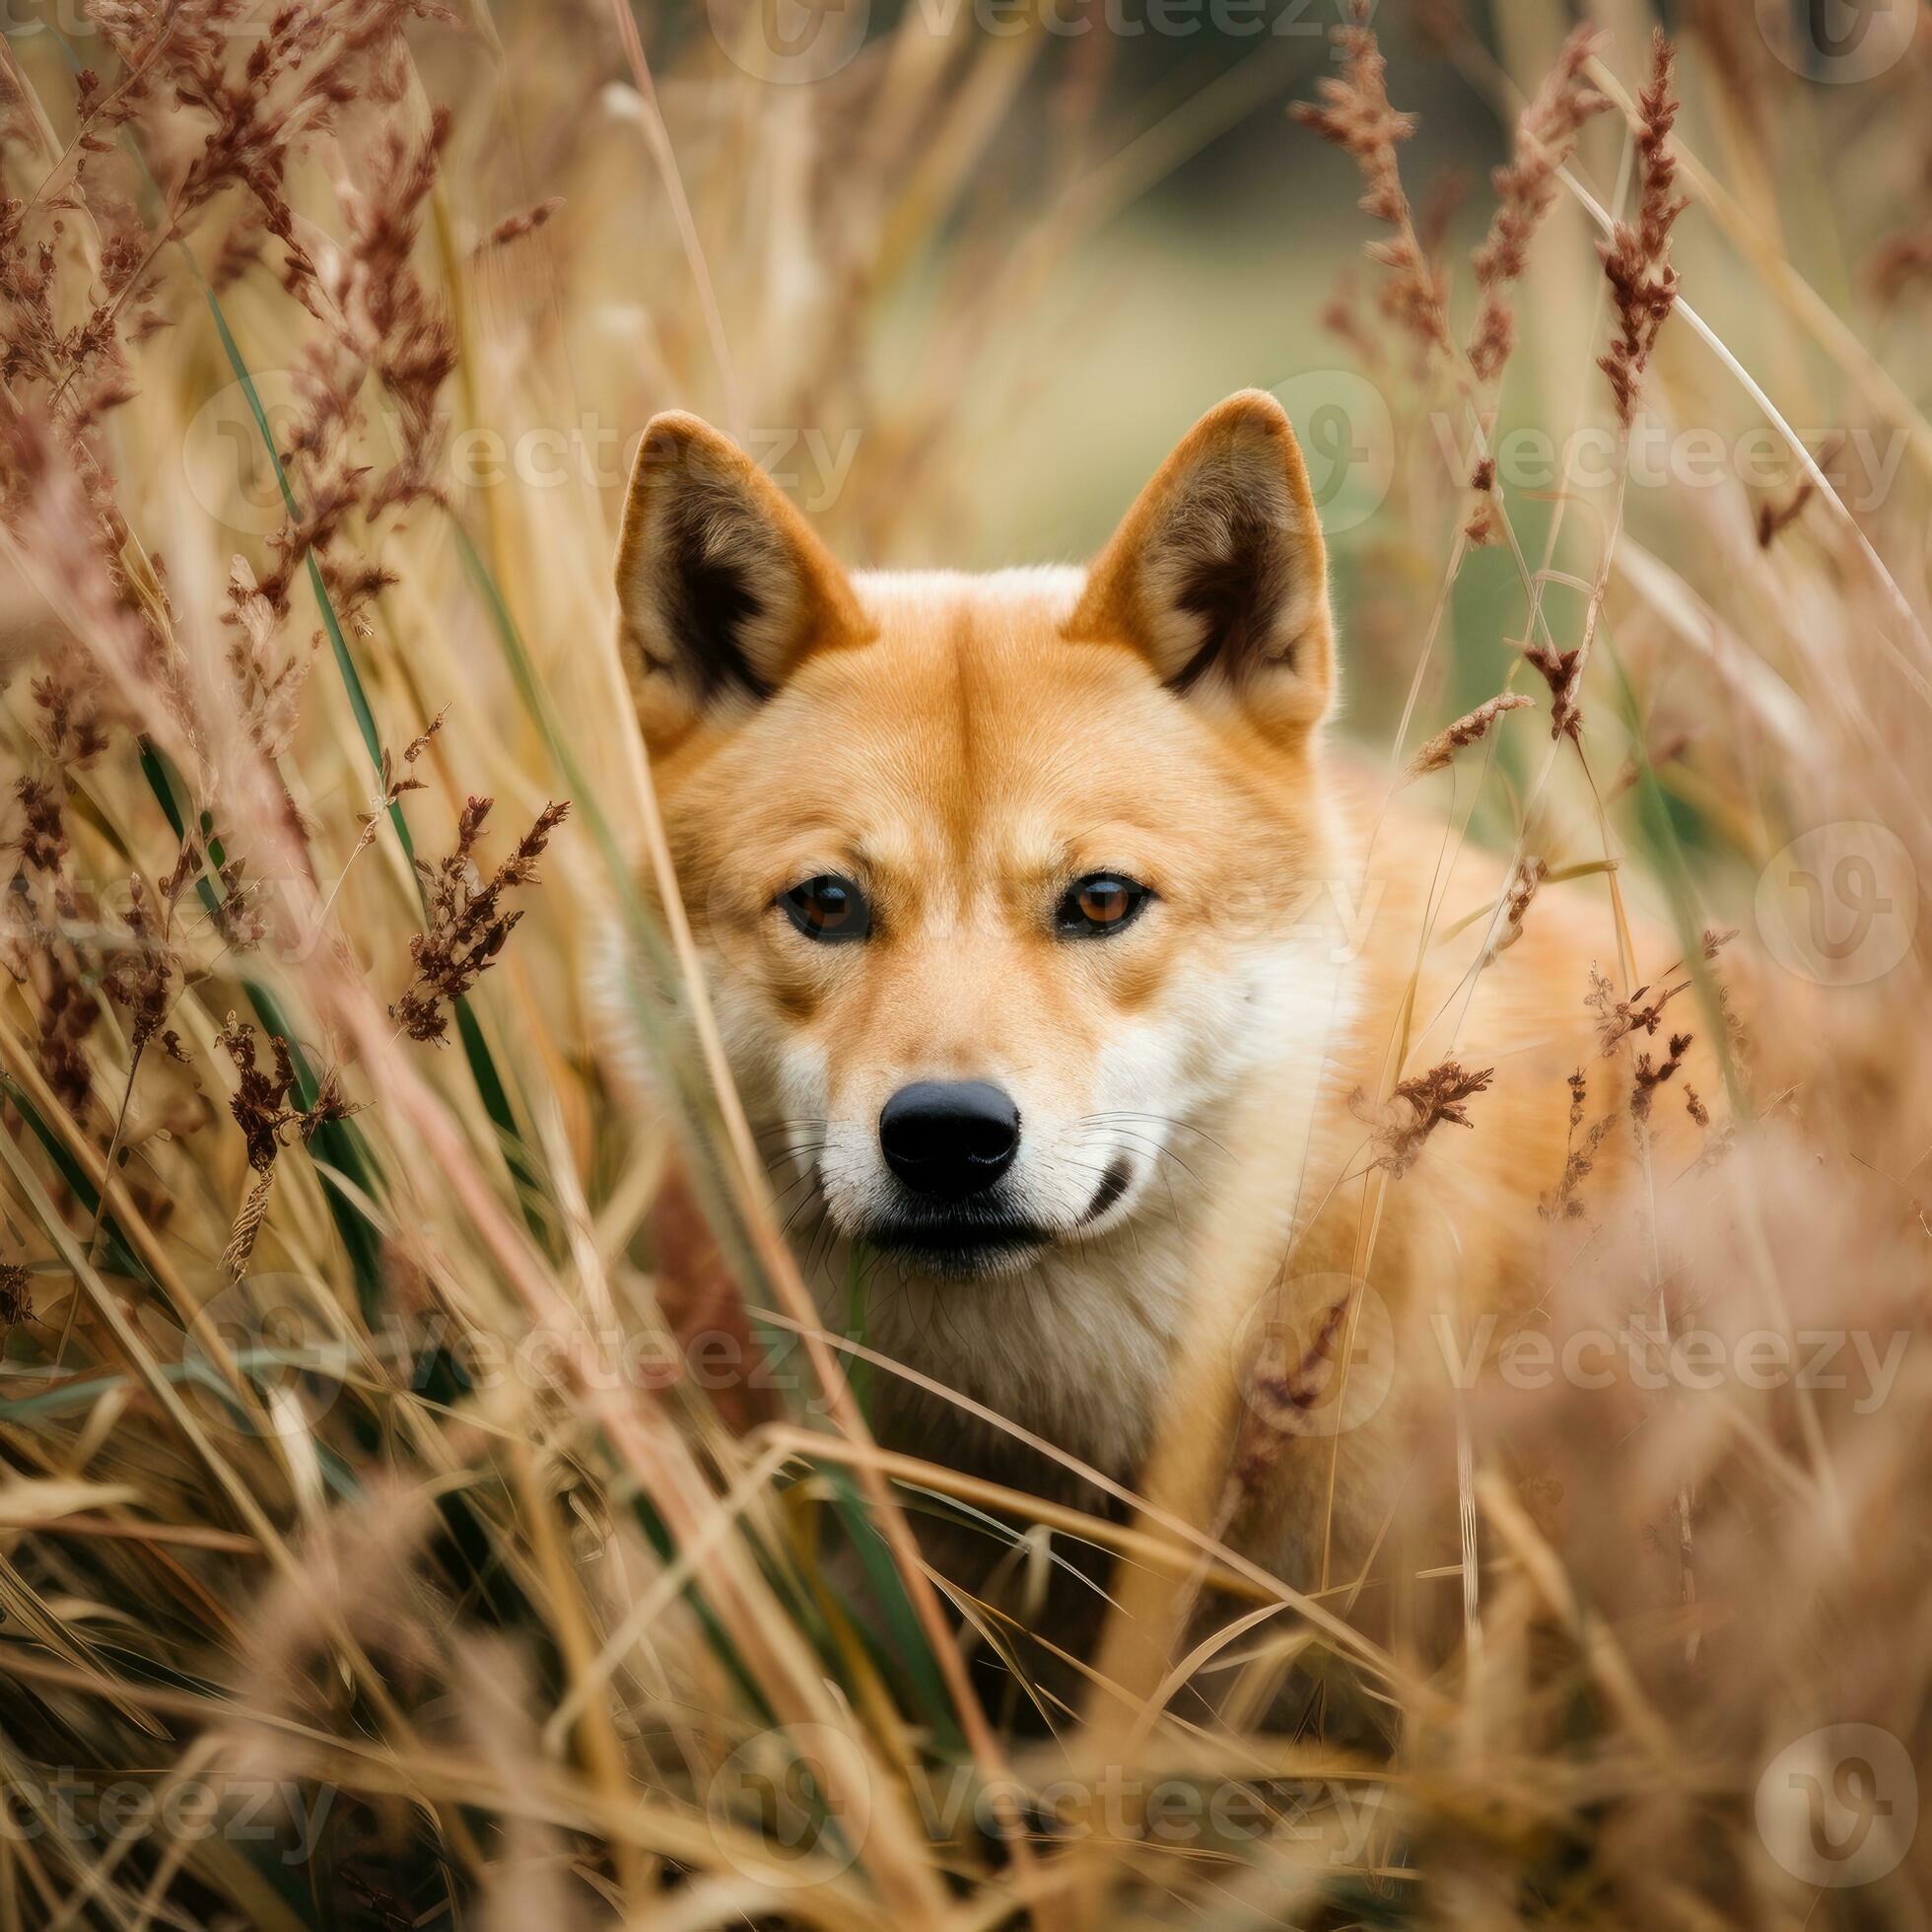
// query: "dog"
[[1014, 889]]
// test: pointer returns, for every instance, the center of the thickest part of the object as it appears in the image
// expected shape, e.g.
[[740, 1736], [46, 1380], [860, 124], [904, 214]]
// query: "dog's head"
[[1001, 881]]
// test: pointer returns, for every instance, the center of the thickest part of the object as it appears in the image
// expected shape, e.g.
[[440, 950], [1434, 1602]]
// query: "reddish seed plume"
[[514, 227], [1638, 257], [1468, 729], [1618, 1020], [1525, 186], [1421, 1104], [1523, 884], [1355, 115], [1649, 1078], [264, 1108], [469, 924], [16, 1297], [1557, 670]]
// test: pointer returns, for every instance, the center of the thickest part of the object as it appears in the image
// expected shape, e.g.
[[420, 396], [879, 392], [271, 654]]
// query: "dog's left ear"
[[1219, 573], [723, 590]]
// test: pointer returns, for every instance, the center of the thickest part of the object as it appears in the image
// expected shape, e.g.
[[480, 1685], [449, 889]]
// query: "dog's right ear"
[[722, 586], [1219, 573]]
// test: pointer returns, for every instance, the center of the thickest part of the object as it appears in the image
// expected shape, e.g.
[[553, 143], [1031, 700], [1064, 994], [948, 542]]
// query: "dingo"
[[1007, 883]]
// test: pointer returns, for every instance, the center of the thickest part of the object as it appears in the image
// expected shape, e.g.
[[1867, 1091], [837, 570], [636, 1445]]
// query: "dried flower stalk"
[[1526, 188], [1523, 884], [261, 1110], [1649, 1078], [1638, 256], [1354, 114], [467, 922], [1468, 729], [1421, 1104]]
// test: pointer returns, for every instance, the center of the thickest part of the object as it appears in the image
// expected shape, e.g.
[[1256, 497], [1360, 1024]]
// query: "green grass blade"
[[483, 1069], [337, 1144]]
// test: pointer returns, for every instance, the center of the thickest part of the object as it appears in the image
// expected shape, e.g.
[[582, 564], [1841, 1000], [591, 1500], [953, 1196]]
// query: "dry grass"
[[376, 1545]]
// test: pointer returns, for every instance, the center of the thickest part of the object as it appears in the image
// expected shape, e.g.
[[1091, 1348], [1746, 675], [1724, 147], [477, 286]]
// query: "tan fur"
[[966, 747]]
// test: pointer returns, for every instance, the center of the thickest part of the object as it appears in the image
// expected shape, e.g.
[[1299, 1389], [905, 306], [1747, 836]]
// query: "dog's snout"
[[949, 1138]]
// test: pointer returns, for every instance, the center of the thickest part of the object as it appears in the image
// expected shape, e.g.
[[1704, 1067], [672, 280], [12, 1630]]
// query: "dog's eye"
[[828, 907], [1102, 902]]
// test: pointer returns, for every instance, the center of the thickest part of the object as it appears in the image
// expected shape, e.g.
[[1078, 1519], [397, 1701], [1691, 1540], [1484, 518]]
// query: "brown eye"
[[1100, 903], [1105, 904], [828, 907]]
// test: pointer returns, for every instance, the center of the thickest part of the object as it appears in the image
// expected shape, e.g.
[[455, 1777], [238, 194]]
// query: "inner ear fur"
[[1219, 573], [723, 588]]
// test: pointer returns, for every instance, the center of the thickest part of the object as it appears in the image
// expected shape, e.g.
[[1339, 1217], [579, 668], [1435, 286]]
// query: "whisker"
[[810, 1152], [1151, 1146], [1162, 1120]]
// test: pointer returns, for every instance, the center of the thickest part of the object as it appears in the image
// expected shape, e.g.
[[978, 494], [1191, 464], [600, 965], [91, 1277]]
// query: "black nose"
[[949, 1138]]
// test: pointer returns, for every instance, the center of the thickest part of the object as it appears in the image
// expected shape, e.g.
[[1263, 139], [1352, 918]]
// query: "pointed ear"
[[722, 586], [1219, 574]]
